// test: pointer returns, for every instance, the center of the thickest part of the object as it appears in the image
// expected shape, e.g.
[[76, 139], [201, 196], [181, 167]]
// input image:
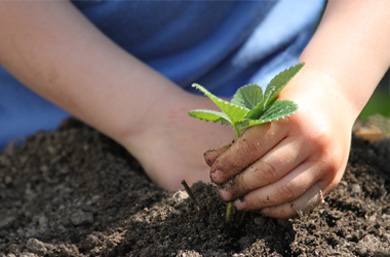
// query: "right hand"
[[274, 165]]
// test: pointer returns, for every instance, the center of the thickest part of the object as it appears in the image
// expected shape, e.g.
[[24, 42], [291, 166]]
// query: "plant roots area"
[[74, 192]]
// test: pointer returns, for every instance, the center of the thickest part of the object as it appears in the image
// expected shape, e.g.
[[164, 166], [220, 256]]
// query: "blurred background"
[[379, 103]]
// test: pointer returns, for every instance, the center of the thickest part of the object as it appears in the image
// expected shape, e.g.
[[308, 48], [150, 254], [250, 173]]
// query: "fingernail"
[[264, 211], [225, 195], [239, 204], [217, 176]]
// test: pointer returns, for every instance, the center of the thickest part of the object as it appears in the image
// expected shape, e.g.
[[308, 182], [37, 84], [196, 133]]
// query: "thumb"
[[308, 201]]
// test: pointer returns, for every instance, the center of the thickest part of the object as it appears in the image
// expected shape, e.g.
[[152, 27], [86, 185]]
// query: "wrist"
[[173, 131], [167, 113], [319, 94], [351, 47], [149, 116]]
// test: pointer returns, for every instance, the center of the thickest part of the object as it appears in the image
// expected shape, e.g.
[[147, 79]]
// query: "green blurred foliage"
[[379, 102]]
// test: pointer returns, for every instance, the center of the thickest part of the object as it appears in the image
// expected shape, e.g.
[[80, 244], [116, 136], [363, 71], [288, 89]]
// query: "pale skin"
[[55, 51]]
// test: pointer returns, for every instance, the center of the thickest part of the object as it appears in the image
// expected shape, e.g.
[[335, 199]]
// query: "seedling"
[[250, 106]]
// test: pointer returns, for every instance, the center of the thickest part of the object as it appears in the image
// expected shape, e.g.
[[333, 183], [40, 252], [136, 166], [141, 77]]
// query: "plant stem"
[[237, 131], [230, 204], [228, 212]]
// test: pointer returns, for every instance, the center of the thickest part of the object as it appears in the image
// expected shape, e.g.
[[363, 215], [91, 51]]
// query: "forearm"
[[54, 50], [352, 47]]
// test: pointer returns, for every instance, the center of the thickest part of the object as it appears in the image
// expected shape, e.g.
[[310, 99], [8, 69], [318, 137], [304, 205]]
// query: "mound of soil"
[[74, 192]]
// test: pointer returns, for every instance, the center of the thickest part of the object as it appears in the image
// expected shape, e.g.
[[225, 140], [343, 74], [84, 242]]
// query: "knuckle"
[[259, 174], [329, 166], [229, 163], [320, 142], [266, 172], [319, 138], [247, 149], [238, 187]]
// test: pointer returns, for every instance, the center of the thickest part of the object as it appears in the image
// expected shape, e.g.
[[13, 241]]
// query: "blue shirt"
[[219, 44]]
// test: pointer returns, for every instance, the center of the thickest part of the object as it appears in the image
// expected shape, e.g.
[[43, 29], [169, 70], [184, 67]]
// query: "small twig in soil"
[[191, 195]]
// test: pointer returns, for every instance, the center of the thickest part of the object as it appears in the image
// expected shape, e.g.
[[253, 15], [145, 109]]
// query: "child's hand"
[[270, 166], [170, 146]]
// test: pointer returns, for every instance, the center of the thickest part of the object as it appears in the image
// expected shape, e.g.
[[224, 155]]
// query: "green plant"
[[250, 106]]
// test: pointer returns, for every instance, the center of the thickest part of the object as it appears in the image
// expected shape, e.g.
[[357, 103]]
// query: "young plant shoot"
[[250, 106]]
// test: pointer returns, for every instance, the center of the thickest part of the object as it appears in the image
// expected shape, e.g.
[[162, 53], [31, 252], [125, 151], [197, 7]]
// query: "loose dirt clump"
[[74, 192]]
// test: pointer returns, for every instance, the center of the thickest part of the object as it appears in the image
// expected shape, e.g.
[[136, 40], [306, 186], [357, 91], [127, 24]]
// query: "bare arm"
[[53, 49], [352, 47]]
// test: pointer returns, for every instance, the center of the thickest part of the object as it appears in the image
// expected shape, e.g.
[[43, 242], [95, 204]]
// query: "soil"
[[74, 192]]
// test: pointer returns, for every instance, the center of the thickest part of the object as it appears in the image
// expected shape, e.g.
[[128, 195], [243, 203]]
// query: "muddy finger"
[[282, 159], [211, 155], [251, 146], [285, 190]]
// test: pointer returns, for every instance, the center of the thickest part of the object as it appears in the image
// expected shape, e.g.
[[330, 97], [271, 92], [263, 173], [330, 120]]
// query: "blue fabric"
[[219, 44]]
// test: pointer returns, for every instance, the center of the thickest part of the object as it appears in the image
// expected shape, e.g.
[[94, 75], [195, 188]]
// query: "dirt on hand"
[[74, 192]]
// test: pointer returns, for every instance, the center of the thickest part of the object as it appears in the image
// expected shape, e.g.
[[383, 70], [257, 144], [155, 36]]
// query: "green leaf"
[[279, 109], [210, 115], [256, 112], [249, 106], [273, 89], [248, 96], [279, 81], [234, 112]]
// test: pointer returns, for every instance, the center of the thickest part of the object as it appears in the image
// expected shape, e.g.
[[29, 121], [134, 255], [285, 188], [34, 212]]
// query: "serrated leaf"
[[273, 89], [233, 111], [210, 115], [279, 109], [248, 96], [278, 82], [249, 106], [256, 112]]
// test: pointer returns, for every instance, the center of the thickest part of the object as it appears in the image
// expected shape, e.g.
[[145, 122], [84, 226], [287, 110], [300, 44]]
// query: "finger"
[[308, 200], [285, 190], [211, 155], [280, 211], [284, 157], [248, 148], [312, 198]]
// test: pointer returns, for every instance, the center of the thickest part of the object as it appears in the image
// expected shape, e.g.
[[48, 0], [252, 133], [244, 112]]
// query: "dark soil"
[[74, 192]]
